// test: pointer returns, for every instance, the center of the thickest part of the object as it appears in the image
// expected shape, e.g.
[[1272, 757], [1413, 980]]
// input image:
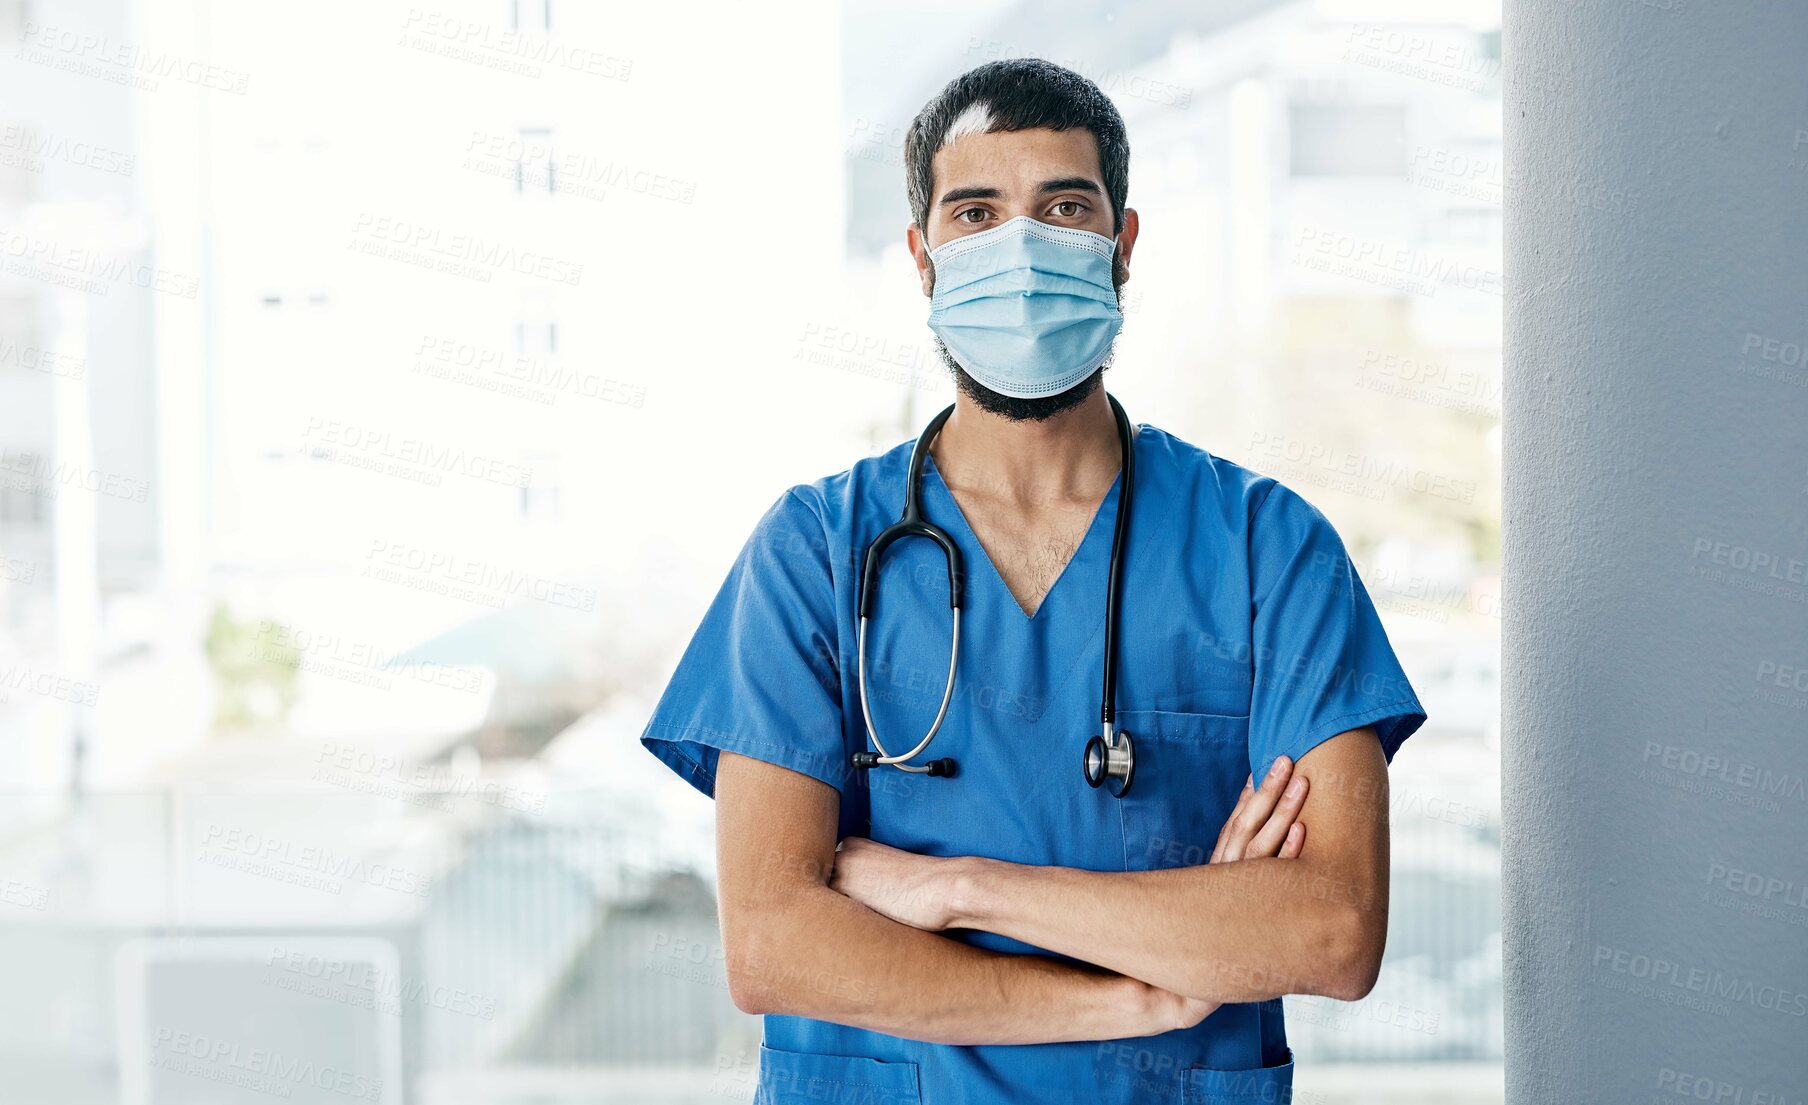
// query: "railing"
[[447, 940]]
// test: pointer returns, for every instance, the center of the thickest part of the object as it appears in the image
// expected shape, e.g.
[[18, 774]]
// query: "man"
[[1008, 933]]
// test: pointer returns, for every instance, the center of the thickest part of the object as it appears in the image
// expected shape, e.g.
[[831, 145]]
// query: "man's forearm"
[[1244, 931], [1283, 906], [827, 957]]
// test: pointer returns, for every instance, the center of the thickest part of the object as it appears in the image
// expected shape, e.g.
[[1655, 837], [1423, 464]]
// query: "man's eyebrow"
[[1059, 184], [959, 194]]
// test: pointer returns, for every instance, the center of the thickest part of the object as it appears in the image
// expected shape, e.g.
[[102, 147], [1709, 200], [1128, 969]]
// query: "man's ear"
[[1126, 241], [919, 252]]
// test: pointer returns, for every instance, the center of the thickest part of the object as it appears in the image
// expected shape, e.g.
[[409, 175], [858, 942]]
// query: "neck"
[[1073, 455]]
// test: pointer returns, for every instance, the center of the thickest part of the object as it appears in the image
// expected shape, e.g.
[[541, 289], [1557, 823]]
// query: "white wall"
[[1656, 519]]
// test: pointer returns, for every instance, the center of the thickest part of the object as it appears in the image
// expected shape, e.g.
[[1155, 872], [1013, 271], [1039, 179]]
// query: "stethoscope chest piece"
[[1109, 761]]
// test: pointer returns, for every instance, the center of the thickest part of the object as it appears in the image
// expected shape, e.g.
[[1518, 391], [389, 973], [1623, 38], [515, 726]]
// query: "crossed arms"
[[853, 936]]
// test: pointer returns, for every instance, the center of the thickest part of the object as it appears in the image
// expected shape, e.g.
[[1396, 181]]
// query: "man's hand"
[[921, 891], [914, 890], [1265, 821], [1263, 918], [925, 891], [794, 947]]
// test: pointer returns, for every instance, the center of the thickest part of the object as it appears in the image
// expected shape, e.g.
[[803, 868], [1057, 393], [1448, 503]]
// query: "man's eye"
[[979, 211], [1069, 209]]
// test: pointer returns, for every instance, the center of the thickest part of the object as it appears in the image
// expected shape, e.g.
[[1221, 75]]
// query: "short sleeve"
[[1323, 664], [759, 677]]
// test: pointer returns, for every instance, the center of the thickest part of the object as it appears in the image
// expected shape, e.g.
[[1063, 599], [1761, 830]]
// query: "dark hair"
[[1019, 94]]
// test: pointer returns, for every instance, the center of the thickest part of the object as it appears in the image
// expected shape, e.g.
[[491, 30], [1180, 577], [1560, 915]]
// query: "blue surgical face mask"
[[1026, 308]]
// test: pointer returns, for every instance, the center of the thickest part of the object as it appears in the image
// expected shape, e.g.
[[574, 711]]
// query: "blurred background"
[[385, 390]]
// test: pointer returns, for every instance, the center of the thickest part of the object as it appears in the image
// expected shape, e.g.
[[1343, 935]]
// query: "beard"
[[1042, 407], [1038, 409]]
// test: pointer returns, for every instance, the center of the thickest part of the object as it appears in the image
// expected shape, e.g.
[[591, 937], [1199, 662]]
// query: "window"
[[1345, 140], [531, 16], [537, 324], [534, 175]]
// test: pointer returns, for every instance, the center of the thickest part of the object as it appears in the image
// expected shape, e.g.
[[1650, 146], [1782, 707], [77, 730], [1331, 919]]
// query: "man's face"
[[983, 180]]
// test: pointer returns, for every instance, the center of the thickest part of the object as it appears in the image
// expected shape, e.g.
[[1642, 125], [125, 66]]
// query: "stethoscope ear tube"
[[875, 552], [910, 524]]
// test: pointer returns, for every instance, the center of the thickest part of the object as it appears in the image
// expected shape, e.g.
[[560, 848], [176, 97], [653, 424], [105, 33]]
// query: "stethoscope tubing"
[[1126, 488], [912, 524]]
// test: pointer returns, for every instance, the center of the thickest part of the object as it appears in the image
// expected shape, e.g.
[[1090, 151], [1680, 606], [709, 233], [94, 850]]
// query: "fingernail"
[[1296, 788], [1279, 765]]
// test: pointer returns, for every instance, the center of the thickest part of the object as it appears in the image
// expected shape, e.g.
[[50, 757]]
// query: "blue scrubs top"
[[1245, 635]]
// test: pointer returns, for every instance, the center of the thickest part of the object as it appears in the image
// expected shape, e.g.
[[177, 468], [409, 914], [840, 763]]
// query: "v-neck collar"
[[1099, 516]]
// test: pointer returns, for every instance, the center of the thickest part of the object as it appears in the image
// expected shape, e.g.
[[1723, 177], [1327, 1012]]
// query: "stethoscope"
[[1109, 759]]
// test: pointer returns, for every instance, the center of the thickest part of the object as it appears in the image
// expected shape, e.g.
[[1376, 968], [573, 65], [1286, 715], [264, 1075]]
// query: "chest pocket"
[[1189, 770]]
